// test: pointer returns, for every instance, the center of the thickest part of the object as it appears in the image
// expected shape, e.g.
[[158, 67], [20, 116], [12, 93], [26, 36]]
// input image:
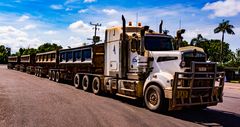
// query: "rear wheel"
[[77, 81], [50, 75], [40, 72], [58, 78], [53, 75], [96, 85], [153, 98], [85, 83], [35, 72]]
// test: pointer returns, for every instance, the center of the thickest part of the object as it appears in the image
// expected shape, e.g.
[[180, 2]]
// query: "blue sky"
[[30, 23]]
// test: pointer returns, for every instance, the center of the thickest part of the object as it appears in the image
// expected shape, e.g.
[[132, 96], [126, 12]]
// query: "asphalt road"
[[29, 101]]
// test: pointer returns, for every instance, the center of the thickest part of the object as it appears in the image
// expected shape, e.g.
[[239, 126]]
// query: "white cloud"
[[79, 26], [109, 11], [11, 31], [56, 6], [226, 8], [50, 32], [82, 10], [23, 18], [89, 1], [29, 27], [70, 1], [68, 9]]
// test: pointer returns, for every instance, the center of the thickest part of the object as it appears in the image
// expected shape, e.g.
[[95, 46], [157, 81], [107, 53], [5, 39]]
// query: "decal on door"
[[114, 50]]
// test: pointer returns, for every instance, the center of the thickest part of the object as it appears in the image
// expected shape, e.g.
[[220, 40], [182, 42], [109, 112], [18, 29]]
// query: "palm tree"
[[196, 41], [224, 27]]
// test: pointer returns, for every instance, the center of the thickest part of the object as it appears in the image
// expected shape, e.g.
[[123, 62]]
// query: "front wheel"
[[153, 98]]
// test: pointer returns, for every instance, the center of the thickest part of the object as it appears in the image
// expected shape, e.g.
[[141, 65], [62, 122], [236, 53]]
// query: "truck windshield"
[[156, 43]]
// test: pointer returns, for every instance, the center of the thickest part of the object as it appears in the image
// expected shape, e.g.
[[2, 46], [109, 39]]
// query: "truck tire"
[[96, 85], [40, 73], [35, 72], [50, 75], [53, 75], [77, 81], [85, 83], [153, 98], [58, 78]]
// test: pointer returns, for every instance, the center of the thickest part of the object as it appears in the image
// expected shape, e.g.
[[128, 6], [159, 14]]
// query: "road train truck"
[[139, 63]]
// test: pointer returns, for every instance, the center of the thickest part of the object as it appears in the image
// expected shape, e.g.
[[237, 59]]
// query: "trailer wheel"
[[77, 81], [153, 98], [40, 73], [58, 79], [53, 75], [49, 75], [96, 85], [85, 83], [35, 72]]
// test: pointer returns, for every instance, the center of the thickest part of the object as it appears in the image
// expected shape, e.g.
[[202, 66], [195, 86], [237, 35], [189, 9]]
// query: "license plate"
[[202, 69], [182, 94]]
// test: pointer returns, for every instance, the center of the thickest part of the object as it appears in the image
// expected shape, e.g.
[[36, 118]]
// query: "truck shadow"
[[208, 117]]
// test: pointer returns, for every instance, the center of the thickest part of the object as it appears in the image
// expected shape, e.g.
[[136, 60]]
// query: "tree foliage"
[[184, 43], [234, 59], [48, 47], [214, 51], [42, 48], [4, 52], [198, 40]]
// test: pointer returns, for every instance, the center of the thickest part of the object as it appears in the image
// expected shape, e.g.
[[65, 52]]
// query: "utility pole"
[[95, 37]]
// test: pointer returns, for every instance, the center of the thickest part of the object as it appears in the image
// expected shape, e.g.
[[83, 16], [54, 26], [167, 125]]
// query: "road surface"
[[29, 101]]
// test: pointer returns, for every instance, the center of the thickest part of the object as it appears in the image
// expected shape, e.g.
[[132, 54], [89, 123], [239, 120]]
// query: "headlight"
[[182, 64]]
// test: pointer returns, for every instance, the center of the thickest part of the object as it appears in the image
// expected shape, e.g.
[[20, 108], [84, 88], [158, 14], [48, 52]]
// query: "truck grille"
[[197, 86]]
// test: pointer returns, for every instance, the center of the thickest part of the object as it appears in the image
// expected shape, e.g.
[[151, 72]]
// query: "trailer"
[[46, 61], [27, 63], [86, 59], [13, 62]]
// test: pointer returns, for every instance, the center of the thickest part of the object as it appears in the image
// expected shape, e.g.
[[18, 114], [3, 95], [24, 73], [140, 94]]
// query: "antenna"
[[136, 18], [180, 23]]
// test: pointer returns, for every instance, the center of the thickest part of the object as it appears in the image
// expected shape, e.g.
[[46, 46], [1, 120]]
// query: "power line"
[[96, 27]]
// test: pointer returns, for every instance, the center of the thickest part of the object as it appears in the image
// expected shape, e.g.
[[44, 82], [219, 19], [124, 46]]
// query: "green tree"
[[215, 52], [234, 59], [224, 27], [3, 54], [184, 43], [48, 47], [29, 51], [199, 39]]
